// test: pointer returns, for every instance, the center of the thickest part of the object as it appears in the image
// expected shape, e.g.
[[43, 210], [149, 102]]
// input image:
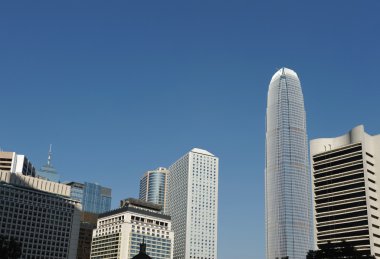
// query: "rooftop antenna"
[[49, 156]]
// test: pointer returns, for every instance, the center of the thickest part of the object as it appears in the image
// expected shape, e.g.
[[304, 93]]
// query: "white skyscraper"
[[193, 205], [287, 176]]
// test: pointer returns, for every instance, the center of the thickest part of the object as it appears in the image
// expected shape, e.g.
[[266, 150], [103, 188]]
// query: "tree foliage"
[[343, 250], [10, 249]]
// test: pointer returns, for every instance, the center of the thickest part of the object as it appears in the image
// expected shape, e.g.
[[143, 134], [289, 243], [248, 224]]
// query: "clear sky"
[[121, 87]]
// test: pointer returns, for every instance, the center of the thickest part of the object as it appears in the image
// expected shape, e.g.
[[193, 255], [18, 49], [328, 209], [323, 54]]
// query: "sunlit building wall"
[[346, 190], [288, 211], [193, 205]]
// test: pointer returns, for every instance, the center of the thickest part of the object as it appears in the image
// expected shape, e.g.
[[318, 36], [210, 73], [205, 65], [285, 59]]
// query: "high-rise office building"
[[288, 210], [120, 232], [40, 215], [94, 197], [153, 186], [48, 172], [346, 173], [16, 163], [193, 205]]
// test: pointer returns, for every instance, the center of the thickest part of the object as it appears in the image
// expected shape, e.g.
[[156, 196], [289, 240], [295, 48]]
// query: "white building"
[[346, 186], [16, 163], [193, 205], [120, 232], [288, 211]]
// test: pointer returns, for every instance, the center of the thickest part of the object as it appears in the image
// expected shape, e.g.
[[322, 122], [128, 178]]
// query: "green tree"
[[343, 250]]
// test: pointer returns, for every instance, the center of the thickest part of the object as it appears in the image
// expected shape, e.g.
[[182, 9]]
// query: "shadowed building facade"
[[287, 179], [40, 215]]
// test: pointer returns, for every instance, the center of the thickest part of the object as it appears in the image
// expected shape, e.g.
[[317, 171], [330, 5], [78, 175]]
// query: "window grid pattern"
[[193, 205], [287, 188], [42, 223]]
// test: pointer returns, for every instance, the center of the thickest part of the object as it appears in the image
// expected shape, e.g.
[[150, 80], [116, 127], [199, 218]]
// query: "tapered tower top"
[[284, 72]]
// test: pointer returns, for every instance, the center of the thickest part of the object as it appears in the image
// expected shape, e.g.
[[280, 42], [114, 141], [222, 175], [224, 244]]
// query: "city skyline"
[[135, 85]]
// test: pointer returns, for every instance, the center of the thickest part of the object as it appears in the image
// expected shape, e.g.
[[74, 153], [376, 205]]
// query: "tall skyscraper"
[[346, 190], [287, 178], [193, 205], [48, 172], [153, 186], [94, 197]]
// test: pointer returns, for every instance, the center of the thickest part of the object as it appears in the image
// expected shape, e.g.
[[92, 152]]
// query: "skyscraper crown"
[[284, 72]]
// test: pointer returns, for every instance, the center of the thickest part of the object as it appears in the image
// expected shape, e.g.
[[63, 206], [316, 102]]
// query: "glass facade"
[[77, 193], [156, 192], [287, 177], [94, 197], [153, 186]]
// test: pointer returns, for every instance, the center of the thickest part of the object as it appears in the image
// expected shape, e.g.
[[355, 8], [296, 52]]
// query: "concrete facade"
[[120, 232], [193, 205], [346, 186]]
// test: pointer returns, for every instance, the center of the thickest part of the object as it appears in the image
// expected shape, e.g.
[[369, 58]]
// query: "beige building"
[[120, 232], [16, 163], [346, 186]]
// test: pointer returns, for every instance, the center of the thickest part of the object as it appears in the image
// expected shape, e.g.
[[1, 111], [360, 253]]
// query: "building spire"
[[49, 156], [143, 247]]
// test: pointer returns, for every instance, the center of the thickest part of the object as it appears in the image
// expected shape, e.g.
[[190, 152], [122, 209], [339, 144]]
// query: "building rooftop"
[[137, 206], [201, 151], [284, 72], [141, 203]]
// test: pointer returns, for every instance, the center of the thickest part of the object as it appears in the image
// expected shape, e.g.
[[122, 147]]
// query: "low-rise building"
[[120, 232]]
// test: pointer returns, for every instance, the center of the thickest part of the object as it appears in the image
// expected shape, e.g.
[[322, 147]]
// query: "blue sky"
[[121, 87]]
